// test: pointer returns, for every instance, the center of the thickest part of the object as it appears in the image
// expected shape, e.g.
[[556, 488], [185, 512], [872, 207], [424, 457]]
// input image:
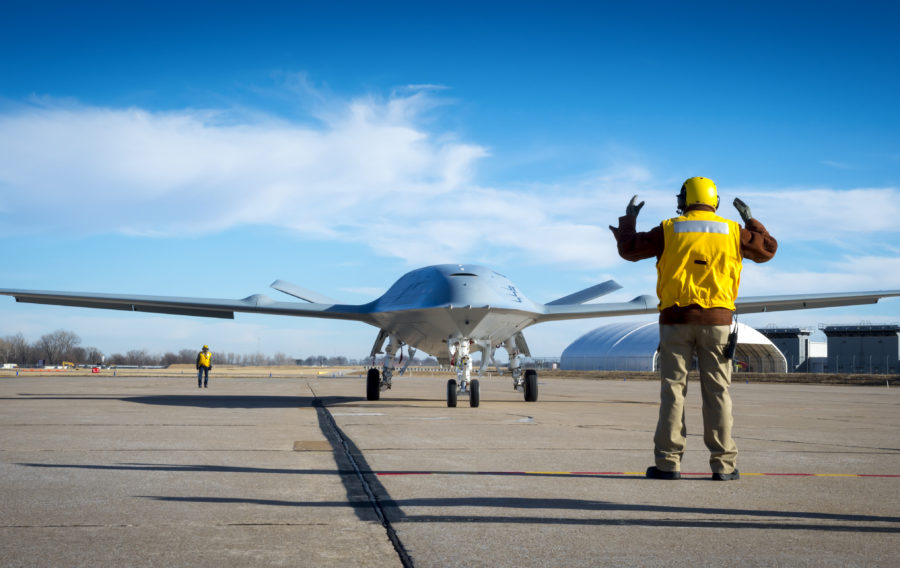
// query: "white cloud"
[[823, 214], [843, 274], [372, 172], [196, 172]]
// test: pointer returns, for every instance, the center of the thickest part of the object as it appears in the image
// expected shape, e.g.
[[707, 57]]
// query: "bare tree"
[[281, 359], [58, 344], [93, 356], [138, 357], [19, 349], [169, 359], [187, 356]]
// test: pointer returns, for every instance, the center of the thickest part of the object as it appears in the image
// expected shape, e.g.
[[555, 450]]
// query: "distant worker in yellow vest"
[[698, 267], [204, 365]]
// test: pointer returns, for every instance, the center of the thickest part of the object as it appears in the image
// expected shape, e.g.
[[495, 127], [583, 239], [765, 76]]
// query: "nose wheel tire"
[[531, 386], [373, 385], [451, 393]]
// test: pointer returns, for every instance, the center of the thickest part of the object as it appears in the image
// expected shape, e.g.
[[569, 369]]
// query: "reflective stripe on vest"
[[701, 227], [700, 263]]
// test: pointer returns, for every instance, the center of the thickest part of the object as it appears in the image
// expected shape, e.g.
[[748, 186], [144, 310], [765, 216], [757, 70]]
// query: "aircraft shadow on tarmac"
[[240, 401], [214, 401], [360, 480], [394, 509], [235, 401], [790, 519]]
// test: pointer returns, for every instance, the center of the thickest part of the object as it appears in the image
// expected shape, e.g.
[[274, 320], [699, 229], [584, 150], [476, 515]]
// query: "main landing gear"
[[524, 380], [527, 383], [530, 386], [373, 385]]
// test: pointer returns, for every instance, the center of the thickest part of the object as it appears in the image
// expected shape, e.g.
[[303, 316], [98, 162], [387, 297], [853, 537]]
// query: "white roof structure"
[[632, 347]]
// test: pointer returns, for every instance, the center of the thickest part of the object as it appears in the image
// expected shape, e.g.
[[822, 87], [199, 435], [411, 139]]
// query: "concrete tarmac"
[[104, 471]]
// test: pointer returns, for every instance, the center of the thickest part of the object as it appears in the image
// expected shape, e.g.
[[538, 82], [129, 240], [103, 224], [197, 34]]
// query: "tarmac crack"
[[346, 451]]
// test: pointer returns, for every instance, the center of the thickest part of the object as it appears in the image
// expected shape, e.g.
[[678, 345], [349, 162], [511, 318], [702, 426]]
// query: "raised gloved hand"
[[633, 207], [743, 209]]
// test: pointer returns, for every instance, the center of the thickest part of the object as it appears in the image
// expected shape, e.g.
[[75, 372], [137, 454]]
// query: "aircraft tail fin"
[[302, 293], [587, 294]]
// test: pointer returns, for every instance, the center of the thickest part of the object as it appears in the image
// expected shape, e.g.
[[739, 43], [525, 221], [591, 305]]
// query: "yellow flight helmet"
[[698, 191]]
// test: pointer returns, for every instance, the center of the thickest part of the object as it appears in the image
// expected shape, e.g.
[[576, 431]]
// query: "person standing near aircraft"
[[698, 266], [204, 365]]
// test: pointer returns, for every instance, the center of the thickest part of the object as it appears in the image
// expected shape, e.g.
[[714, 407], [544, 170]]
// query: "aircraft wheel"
[[451, 393], [474, 394], [531, 387], [373, 385]]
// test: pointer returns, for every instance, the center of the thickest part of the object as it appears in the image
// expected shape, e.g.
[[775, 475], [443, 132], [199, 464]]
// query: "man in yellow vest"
[[204, 364], [698, 274]]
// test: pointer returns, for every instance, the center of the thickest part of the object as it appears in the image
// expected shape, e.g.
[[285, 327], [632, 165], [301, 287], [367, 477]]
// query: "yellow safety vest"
[[700, 263], [203, 358]]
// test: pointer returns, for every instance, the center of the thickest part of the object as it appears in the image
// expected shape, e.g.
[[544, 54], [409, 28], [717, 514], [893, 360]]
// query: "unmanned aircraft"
[[449, 311]]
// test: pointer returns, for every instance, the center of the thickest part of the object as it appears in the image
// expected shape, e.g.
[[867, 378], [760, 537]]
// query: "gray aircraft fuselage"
[[426, 307]]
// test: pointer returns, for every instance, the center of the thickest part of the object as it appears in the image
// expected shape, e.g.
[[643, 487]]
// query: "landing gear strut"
[[527, 383]]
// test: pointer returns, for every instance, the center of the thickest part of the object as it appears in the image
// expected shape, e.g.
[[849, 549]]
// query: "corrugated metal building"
[[863, 348], [794, 343]]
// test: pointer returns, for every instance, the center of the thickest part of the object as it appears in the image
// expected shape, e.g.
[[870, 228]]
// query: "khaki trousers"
[[677, 346]]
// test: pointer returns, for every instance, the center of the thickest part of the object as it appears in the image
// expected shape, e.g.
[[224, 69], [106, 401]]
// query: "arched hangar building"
[[632, 347]]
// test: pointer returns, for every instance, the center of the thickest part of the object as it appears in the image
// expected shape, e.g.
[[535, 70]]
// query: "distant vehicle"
[[447, 310], [68, 364]]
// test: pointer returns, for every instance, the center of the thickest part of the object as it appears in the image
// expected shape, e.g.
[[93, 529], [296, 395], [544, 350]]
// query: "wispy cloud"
[[370, 171], [817, 214], [198, 171], [837, 165]]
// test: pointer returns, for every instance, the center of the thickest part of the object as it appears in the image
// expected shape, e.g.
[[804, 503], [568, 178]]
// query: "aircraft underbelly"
[[429, 329]]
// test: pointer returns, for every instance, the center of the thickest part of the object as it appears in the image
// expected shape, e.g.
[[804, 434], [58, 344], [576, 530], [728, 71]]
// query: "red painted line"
[[874, 475]]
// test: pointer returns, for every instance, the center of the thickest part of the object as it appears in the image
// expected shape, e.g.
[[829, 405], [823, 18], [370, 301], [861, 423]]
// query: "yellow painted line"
[[836, 474]]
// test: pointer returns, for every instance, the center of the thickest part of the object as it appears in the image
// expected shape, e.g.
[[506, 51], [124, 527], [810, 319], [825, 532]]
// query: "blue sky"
[[208, 148]]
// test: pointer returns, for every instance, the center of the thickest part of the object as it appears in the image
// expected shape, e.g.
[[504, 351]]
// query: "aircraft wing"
[[748, 305], [203, 307], [758, 304]]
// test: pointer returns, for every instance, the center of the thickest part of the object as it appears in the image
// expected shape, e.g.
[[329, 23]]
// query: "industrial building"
[[794, 344], [870, 349], [633, 346]]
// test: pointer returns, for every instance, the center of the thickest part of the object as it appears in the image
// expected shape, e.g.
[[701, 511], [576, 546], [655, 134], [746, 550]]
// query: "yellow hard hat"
[[698, 191], [206, 346]]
